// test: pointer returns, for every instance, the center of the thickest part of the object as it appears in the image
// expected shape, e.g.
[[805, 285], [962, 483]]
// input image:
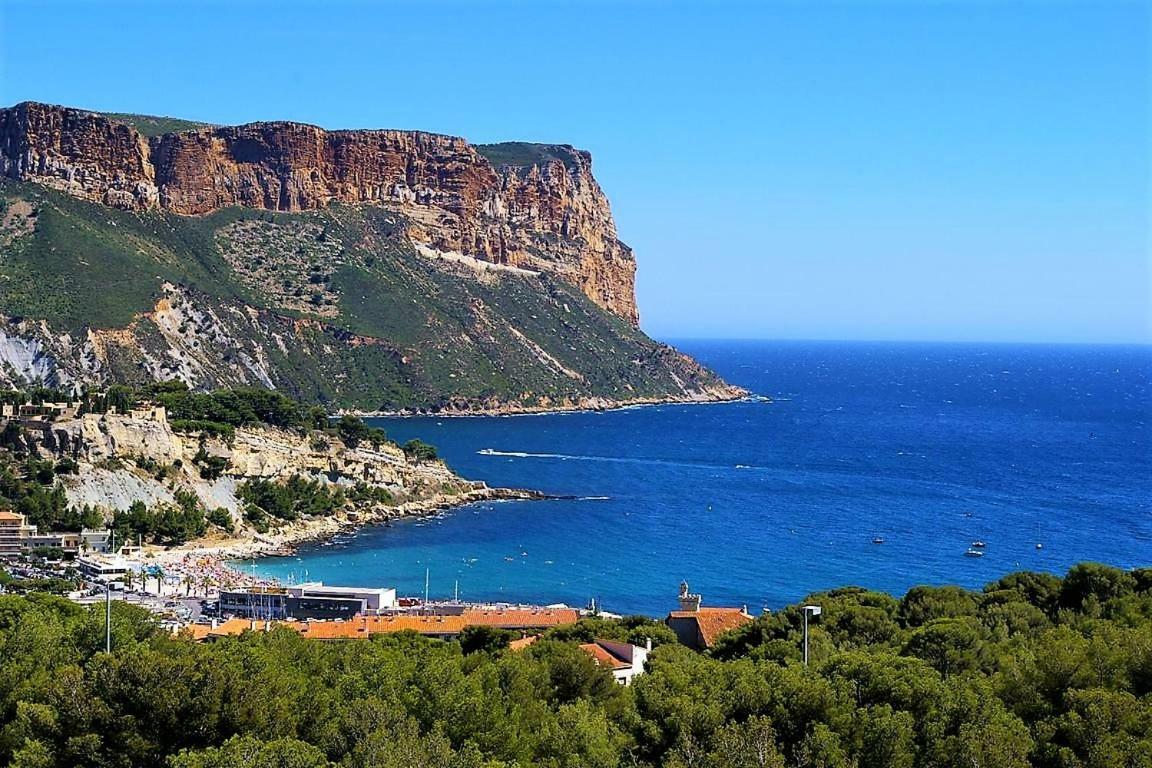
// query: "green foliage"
[[392, 329], [169, 524], [481, 639], [238, 407], [210, 466], [945, 691], [151, 125], [31, 489], [353, 431], [204, 428], [523, 154], [363, 492], [246, 751], [637, 630], [420, 450], [298, 497], [221, 518]]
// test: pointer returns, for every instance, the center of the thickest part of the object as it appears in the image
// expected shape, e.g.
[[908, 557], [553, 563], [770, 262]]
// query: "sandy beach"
[[203, 566]]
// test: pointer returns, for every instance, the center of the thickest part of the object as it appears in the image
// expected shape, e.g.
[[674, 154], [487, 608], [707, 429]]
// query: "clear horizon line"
[[830, 340]]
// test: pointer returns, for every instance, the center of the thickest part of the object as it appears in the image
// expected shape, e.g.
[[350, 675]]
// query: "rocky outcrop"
[[119, 455], [532, 206], [78, 152]]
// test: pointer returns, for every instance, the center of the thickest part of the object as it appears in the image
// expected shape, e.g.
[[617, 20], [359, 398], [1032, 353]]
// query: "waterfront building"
[[697, 626], [103, 567], [306, 601]]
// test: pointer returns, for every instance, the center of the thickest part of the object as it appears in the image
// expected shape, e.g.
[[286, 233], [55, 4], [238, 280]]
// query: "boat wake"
[[609, 459]]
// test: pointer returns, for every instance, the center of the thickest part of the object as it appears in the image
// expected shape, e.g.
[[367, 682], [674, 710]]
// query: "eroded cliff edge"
[[370, 270], [537, 207]]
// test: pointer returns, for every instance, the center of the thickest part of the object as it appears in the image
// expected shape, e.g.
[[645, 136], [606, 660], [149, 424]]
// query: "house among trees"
[[698, 627], [624, 660]]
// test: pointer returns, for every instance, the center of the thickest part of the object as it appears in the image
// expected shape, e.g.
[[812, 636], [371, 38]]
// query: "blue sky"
[[871, 170]]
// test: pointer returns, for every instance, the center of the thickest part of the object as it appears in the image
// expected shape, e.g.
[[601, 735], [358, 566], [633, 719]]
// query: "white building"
[[374, 599], [104, 567], [306, 601], [17, 537], [625, 660]]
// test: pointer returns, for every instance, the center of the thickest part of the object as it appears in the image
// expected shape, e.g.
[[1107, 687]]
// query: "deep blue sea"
[[930, 446]]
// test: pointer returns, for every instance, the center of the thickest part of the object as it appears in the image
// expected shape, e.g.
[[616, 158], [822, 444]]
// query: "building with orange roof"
[[699, 627], [522, 643], [624, 660], [444, 627]]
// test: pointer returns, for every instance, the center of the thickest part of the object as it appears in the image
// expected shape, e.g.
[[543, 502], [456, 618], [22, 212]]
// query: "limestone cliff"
[[138, 456], [536, 207]]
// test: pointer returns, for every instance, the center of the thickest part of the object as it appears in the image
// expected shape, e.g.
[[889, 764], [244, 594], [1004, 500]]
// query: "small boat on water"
[[878, 540], [978, 545], [973, 553]]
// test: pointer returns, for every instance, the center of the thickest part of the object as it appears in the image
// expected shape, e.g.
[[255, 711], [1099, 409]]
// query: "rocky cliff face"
[[531, 206], [113, 449]]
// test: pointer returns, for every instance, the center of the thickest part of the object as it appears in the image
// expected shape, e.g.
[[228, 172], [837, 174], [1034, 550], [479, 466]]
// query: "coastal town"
[[106, 452], [204, 597]]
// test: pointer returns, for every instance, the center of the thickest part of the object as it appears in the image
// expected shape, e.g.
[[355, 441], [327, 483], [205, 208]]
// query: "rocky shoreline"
[[586, 405], [285, 539]]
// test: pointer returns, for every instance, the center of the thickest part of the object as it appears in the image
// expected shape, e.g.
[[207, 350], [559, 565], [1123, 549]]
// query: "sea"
[[871, 464]]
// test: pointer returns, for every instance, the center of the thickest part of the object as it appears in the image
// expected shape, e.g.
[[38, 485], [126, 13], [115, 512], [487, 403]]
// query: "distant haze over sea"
[[928, 446]]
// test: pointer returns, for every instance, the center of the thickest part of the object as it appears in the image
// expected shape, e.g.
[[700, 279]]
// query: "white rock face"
[[25, 360], [111, 490], [145, 436]]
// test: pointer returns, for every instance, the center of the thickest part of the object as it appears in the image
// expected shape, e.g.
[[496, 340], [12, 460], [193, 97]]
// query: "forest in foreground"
[[1034, 670]]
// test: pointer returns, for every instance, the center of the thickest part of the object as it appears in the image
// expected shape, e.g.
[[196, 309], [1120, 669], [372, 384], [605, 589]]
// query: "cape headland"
[[375, 270]]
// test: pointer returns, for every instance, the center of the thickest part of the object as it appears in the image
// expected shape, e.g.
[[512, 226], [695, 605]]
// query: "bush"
[[353, 431], [204, 428], [297, 497], [420, 450], [221, 518], [209, 466]]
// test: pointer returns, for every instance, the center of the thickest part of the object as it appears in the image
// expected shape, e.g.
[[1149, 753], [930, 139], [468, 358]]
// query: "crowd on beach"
[[192, 574]]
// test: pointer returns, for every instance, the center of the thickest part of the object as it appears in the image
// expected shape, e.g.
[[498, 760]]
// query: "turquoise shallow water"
[[929, 446]]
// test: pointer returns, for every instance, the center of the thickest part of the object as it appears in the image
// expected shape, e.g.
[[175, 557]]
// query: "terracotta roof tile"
[[522, 643], [426, 625], [602, 657], [714, 622]]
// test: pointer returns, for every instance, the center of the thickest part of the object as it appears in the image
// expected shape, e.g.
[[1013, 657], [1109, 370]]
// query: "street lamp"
[[809, 610]]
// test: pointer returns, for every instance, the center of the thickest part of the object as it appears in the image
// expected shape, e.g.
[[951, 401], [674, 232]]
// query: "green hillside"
[[521, 154], [333, 306], [151, 125]]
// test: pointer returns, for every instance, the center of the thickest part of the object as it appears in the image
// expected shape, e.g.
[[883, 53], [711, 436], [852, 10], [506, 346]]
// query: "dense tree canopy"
[[1033, 670]]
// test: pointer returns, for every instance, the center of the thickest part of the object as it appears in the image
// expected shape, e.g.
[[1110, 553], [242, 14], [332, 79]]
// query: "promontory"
[[377, 270]]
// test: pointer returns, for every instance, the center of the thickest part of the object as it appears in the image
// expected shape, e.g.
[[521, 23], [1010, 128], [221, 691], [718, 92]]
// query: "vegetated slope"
[[1032, 671], [335, 305], [155, 125], [374, 269]]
